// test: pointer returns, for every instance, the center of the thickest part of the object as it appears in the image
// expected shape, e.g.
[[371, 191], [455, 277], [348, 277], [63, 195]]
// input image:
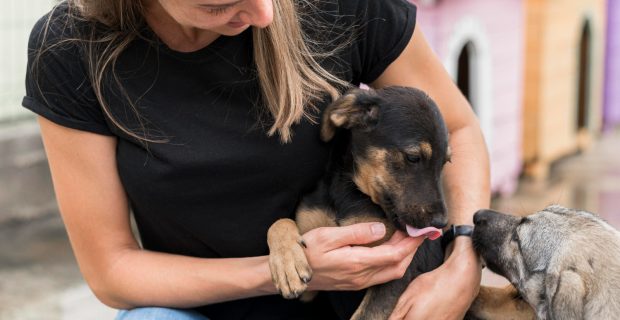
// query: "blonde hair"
[[290, 77]]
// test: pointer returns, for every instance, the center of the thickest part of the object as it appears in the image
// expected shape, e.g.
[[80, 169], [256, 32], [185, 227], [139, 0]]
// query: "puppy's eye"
[[413, 158], [515, 236]]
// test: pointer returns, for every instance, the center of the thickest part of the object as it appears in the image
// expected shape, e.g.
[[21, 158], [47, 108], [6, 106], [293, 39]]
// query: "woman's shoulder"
[[59, 29], [357, 16], [379, 29], [365, 9]]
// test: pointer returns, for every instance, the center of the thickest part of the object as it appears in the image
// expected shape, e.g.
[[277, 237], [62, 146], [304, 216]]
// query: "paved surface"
[[40, 280]]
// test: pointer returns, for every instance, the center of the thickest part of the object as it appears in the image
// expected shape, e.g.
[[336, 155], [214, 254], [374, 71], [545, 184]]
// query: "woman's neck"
[[176, 36]]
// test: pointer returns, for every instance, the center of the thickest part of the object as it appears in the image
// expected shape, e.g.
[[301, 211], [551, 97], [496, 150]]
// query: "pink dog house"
[[481, 45]]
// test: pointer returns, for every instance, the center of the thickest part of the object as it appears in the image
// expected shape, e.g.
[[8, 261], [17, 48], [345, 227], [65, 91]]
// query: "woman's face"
[[226, 17]]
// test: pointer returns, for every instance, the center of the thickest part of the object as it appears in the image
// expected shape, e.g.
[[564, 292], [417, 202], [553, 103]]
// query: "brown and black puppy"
[[392, 144], [564, 263]]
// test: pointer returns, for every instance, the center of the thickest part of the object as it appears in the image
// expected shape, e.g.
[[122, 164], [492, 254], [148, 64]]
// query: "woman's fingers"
[[340, 263], [396, 237], [389, 262], [386, 254], [330, 238]]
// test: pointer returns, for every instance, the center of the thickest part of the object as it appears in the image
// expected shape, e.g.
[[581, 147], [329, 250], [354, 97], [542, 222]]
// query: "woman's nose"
[[258, 13]]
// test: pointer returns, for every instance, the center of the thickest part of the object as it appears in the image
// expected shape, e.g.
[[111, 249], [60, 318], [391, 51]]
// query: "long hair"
[[290, 77]]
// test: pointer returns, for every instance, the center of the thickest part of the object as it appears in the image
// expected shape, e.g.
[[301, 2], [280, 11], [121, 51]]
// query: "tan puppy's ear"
[[358, 108], [565, 293]]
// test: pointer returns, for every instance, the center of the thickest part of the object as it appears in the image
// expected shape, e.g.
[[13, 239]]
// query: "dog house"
[[481, 45], [563, 79], [611, 108]]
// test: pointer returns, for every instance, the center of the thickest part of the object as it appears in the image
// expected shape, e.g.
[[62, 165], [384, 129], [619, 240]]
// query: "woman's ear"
[[358, 108]]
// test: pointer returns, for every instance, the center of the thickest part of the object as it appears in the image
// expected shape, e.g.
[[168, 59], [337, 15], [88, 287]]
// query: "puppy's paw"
[[290, 270]]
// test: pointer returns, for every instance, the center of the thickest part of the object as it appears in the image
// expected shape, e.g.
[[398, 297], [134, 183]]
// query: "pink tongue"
[[430, 232]]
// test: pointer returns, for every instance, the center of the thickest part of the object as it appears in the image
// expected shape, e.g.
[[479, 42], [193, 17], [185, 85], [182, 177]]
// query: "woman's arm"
[[95, 211], [466, 180]]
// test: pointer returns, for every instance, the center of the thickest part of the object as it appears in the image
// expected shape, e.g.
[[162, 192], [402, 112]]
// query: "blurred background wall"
[[611, 116], [25, 185]]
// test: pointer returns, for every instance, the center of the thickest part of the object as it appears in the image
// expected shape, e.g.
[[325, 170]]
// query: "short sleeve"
[[57, 85], [386, 26]]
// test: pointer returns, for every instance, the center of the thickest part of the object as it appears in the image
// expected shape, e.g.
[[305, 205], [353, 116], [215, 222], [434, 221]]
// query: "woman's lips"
[[236, 24]]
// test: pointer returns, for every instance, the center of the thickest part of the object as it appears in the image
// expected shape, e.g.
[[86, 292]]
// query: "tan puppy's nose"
[[482, 217]]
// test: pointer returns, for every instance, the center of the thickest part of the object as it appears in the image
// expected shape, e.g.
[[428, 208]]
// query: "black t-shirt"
[[218, 183]]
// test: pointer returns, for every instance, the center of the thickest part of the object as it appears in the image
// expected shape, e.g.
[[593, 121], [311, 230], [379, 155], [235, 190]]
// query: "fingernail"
[[378, 229]]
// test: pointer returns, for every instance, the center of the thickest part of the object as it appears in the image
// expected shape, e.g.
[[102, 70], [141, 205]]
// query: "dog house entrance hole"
[[465, 73], [584, 77]]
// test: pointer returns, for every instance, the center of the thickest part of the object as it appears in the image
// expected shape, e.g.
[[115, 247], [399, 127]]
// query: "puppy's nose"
[[481, 217], [439, 221]]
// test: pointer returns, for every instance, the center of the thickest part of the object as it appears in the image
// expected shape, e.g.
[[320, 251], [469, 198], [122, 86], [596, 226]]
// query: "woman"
[[198, 115]]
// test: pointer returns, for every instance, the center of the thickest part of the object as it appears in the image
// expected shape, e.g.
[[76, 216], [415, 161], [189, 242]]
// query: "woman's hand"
[[446, 292], [338, 263]]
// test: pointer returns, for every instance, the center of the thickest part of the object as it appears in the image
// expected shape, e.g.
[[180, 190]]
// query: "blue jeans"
[[156, 313]]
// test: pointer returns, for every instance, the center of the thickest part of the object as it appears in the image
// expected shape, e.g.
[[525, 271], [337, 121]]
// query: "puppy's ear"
[[356, 109], [565, 293]]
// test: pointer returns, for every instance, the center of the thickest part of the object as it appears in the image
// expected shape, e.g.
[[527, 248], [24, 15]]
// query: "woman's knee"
[[157, 313]]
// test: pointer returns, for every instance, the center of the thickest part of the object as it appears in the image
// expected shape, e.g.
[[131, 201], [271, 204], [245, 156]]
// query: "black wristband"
[[455, 231]]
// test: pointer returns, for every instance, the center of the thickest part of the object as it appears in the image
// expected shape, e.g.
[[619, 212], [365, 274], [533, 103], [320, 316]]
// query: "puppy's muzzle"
[[484, 217], [421, 216]]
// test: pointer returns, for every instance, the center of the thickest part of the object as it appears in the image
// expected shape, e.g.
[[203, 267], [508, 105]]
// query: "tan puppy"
[[564, 263]]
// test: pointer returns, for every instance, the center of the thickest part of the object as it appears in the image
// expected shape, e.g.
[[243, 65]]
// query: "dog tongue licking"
[[430, 232]]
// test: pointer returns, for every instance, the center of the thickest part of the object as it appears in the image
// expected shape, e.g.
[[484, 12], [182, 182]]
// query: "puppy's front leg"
[[500, 304], [290, 270], [380, 300]]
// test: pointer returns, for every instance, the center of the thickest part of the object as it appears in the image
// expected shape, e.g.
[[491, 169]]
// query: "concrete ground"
[[39, 278]]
